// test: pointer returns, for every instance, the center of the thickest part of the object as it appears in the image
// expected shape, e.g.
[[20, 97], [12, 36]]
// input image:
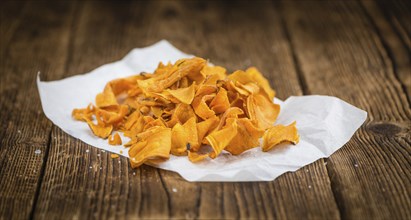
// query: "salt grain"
[[134, 173], [18, 131], [98, 155], [91, 167], [356, 165], [309, 186], [103, 151], [174, 190], [38, 151], [87, 150]]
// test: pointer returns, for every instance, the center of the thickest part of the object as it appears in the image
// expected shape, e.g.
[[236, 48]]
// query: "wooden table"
[[357, 51]]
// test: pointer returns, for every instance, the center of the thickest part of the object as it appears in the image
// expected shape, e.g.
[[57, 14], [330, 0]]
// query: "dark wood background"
[[356, 50]]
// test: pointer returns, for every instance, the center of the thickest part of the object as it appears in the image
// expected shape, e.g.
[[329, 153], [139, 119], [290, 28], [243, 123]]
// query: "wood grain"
[[150, 193], [358, 51], [391, 22], [348, 60], [24, 128]]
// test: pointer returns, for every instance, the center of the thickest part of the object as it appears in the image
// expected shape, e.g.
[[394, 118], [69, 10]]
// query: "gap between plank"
[[48, 146], [304, 87], [300, 76], [387, 49], [41, 176]]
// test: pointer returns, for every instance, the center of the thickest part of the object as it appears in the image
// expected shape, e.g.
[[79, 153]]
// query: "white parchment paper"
[[324, 123]]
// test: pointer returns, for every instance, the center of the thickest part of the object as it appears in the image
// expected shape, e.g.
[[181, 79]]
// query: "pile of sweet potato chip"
[[186, 107]]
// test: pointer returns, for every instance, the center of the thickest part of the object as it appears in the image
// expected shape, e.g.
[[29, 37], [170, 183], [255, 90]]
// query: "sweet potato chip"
[[220, 102], [254, 76], [183, 135], [220, 139], [204, 128], [184, 95], [179, 140], [246, 138], [262, 111], [201, 108], [279, 134], [82, 114], [106, 98], [156, 145], [195, 157], [99, 130], [114, 139]]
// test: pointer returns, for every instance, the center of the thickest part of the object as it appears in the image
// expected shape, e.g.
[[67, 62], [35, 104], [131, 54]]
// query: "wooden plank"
[[38, 43], [10, 17], [398, 14], [342, 55], [391, 22], [110, 189]]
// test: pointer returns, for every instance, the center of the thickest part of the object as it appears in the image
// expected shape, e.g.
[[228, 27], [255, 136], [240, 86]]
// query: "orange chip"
[[220, 102], [81, 114], [183, 136], [114, 139], [106, 98], [221, 138], [262, 111], [204, 128], [218, 71], [279, 134], [184, 95], [181, 114], [254, 76], [114, 156], [195, 157], [247, 136], [201, 107], [99, 130], [154, 146]]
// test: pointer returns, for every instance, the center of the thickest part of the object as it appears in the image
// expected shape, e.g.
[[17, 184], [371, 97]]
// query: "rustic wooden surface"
[[357, 50]]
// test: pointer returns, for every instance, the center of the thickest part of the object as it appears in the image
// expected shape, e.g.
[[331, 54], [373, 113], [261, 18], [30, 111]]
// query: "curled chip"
[[114, 139], [279, 134], [182, 108]]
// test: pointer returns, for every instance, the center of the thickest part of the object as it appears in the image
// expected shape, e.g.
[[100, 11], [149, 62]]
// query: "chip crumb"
[[103, 151], [307, 170], [18, 131], [38, 151], [114, 156], [121, 152]]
